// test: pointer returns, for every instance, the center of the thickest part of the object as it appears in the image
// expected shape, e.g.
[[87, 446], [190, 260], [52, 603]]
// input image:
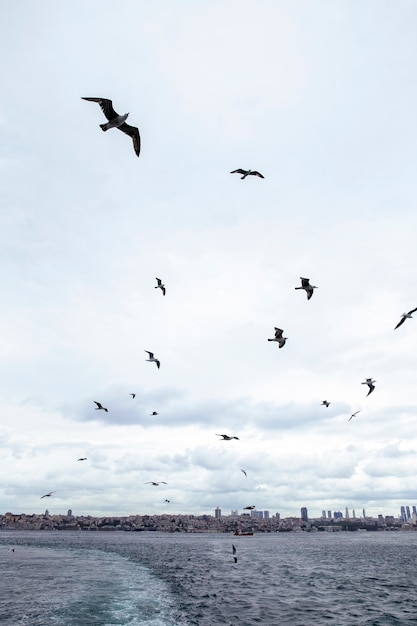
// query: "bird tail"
[[104, 127]]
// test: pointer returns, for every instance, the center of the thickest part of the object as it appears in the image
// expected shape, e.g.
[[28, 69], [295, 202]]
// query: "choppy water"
[[159, 579]]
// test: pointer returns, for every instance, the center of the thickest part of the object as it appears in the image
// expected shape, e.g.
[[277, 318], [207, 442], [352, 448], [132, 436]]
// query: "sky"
[[321, 98]]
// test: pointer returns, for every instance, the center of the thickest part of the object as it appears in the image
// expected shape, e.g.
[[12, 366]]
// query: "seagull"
[[226, 437], [100, 406], [325, 403], [117, 121], [244, 471], [84, 458], [305, 284], [47, 495], [247, 173], [154, 413], [151, 482], [278, 337], [160, 285], [152, 359], [133, 395], [250, 508], [404, 317], [370, 384], [355, 413]]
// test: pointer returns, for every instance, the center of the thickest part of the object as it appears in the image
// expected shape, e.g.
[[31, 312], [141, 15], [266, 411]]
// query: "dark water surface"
[[159, 579]]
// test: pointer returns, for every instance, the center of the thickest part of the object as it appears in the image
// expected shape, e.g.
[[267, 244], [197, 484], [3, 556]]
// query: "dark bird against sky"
[[47, 495], [226, 437], [133, 395], [355, 413], [247, 173], [278, 337], [151, 482], [84, 458], [325, 403], [160, 285], [117, 121], [305, 284], [152, 359], [100, 407], [405, 316], [370, 384], [244, 471]]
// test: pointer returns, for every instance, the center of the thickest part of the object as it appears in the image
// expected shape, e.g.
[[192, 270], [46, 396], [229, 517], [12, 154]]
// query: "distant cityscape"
[[235, 522]]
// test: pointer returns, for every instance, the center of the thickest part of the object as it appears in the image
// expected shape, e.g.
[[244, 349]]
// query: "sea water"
[[159, 579]]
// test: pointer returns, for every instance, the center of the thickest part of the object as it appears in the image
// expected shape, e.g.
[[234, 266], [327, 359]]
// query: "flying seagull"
[[117, 121], [154, 413], [353, 414], [278, 337], [100, 406], [160, 285], [133, 395], [226, 437], [325, 403], [247, 173], [84, 458], [151, 482], [152, 359], [244, 471], [305, 284], [250, 508], [370, 384], [47, 495], [404, 317]]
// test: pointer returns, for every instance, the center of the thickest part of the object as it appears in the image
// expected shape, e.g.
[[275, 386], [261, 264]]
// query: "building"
[[217, 512], [403, 514], [304, 514]]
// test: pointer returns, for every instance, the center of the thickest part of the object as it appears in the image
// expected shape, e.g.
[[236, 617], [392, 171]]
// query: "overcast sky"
[[321, 98]]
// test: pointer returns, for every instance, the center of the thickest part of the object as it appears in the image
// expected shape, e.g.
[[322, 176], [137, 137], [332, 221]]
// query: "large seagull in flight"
[[117, 121]]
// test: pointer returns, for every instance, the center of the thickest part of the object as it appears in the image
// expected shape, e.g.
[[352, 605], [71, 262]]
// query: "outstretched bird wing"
[[106, 106], [278, 333], [257, 174], [150, 354], [99, 406], [133, 132], [402, 320], [239, 171]]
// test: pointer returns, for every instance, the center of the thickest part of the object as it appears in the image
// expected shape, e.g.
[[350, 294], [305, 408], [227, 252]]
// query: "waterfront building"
[[407, 508], [403, 514], [346, 513], [266, 514], [363, 513], [329, 515], [304, 514], [217, 512], [323, 514]]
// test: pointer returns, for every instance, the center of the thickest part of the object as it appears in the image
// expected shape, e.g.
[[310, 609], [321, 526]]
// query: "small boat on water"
[[243, 533]]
